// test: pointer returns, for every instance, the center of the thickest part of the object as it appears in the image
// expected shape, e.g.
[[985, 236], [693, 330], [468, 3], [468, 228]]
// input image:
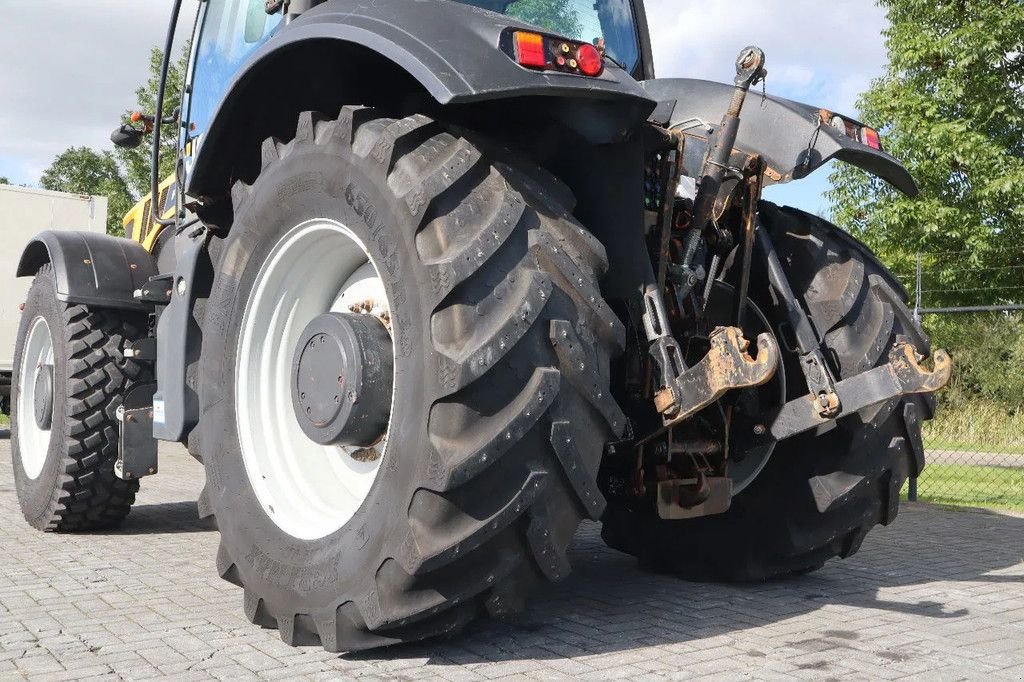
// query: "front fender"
[[788, 135], [90, 268]]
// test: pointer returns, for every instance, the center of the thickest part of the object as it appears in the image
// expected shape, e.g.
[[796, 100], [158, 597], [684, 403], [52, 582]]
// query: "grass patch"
[[5, 421], [977, 425], [937, 444], [971, 486]]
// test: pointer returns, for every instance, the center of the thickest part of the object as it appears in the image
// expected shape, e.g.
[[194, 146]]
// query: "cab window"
[[229, 32]]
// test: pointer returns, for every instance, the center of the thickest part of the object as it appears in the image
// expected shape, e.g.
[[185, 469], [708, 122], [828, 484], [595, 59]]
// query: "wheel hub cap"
[[341, 379], [43, 396]]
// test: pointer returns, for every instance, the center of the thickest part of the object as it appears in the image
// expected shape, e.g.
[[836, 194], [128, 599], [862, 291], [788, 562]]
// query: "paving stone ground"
[[938, 595]]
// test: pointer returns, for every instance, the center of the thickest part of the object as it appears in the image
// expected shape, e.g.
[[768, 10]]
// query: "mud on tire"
[[820, 494], [76, 488], [502, 346]]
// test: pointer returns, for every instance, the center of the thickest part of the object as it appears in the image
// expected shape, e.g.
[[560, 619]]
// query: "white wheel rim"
[[33, 440], [309, 490]]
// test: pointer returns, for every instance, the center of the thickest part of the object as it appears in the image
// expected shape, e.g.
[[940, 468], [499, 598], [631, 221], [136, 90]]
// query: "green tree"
[[137, 162], [951, 107], [81, 170], [556, 16], [4, 180]]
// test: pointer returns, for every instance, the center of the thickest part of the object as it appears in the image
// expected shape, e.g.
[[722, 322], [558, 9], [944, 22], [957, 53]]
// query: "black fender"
[[90, 268], [454, 56], [791, 137]]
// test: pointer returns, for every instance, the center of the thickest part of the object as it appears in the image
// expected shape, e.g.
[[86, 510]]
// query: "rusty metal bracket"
[[671, 505], [907, 369], [902, 375], [727, 366]]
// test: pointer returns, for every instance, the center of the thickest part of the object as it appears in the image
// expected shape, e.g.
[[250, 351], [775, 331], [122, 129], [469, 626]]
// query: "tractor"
[[434, 282]]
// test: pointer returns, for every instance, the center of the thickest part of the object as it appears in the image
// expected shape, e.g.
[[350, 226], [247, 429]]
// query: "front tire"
[[500, 405], [64, 443]]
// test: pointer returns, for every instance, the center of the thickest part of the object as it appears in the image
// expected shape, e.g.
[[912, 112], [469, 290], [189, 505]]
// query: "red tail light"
[[550, 53], [590, 60], [869, 136], [530, 49], [855, 131]]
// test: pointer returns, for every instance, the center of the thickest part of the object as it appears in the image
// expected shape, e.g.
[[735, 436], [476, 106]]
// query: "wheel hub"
[[341, 379], [42, 396]]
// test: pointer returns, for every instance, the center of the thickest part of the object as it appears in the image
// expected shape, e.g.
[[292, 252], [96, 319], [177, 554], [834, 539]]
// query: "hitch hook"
[[912, 377], [726, 367]]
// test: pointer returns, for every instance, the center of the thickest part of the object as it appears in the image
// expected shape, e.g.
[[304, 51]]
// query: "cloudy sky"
[[68, 68]]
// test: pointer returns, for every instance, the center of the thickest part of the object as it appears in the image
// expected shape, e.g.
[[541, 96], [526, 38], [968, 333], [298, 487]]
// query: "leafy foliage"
[[136, 162], [951, 107], [4, 180], [81, 170], [989, 351], [556, 16]]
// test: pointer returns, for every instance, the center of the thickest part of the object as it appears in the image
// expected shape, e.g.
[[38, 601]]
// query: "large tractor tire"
[[464, 271], [69, 379], [820, 493]]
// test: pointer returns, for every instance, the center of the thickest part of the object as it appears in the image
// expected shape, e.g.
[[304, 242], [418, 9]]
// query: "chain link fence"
[[974, 447]]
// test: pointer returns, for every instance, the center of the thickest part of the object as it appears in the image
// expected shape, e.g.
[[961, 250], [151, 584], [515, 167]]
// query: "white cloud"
[[829, 51], [68, 69], [794, 76]]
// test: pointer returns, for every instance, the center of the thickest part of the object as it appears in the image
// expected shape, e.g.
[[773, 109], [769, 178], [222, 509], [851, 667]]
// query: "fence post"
[[917, 292], [912, 483]]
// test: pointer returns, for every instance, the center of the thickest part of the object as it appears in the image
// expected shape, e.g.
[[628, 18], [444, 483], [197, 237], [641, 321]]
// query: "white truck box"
[[24, 212]]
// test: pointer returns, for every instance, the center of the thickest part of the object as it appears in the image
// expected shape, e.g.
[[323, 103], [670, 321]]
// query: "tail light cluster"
[[549, 53], [853, 130]]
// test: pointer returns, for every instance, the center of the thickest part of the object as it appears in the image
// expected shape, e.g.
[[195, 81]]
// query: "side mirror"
[[127, 137]]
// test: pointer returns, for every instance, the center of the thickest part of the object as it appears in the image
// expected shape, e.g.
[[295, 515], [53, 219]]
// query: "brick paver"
[[939, 595]]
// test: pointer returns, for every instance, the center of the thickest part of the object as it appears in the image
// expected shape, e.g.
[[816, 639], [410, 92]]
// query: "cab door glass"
[[230, 31]]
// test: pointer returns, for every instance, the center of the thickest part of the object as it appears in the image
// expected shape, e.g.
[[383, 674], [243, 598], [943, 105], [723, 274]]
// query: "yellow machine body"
[[138, 223]]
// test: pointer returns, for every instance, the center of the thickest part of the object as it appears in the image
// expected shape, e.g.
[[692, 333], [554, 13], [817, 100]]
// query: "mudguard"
[[454, 53], [469, 68], [89, 268], [790, 136]]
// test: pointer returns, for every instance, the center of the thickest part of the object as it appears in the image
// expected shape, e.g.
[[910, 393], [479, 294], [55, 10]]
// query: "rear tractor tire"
[[69, 377], [463, 287], [819, 494]]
